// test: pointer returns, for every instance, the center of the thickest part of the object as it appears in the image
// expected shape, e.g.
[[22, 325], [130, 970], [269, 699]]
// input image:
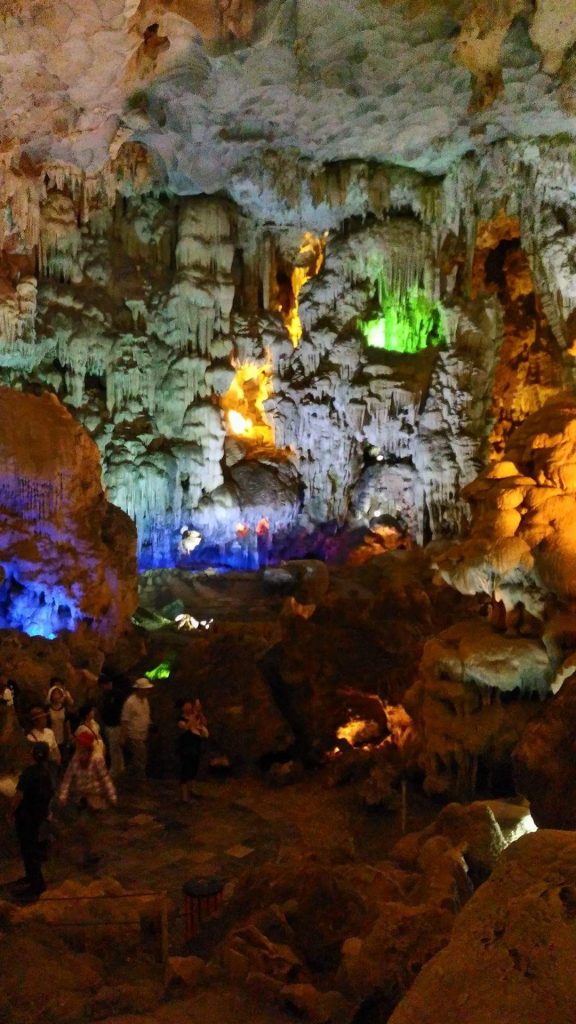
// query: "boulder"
[[512, 948], [315, 1006], [67, 555], [471, 830], [380, 789], [475, 694], [545, 761], [311, 579], [386, 960]]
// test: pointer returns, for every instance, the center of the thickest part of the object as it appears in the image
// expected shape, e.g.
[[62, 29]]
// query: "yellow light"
[[310, 260], [358, 730], [244, 401], [239, 424]]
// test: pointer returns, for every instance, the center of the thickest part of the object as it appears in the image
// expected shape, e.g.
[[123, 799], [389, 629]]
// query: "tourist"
[[41, 733], [136, 721], [88, 723], [31, 805], [8, 691], [88, 783], [193, 729], [110, 710], [59, 704]]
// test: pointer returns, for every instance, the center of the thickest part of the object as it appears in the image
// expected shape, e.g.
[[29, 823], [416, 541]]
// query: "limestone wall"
[[186, 183]]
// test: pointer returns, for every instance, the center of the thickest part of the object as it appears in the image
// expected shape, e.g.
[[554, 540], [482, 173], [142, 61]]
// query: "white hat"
[[142, 684]]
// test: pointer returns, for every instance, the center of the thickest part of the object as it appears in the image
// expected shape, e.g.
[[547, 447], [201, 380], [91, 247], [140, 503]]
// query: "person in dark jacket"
[[110, 704], [31, 807], [193, 730]]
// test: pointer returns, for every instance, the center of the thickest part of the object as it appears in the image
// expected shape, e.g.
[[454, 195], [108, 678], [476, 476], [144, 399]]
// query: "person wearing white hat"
[[135, 722]]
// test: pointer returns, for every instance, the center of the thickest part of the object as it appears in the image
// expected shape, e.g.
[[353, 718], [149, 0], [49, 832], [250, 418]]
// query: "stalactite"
[[194, 287], [202, 295]]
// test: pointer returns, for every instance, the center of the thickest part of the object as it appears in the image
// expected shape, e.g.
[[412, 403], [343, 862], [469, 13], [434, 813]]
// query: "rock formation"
[[67, 554], [480, 681], [493, 964], [299, 280], [475, 693], [522, 543], [266, 313], [544, 761]]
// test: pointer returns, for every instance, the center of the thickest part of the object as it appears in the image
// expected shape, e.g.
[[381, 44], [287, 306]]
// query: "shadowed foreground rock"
[[545, 761], [511, 955]]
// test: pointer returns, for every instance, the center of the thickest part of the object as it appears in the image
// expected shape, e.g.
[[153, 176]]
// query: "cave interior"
[[288, 424]]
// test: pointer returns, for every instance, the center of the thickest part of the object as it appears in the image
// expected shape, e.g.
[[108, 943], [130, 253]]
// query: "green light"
[[162, 671], [407, 323], [375, 332]]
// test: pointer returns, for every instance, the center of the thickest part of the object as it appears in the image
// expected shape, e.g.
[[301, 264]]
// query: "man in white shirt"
[[135, 721]]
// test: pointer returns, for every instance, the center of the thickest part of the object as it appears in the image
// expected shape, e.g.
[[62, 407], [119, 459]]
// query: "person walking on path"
[[136, 721], [110, 708], [31, 807], [88, 783]]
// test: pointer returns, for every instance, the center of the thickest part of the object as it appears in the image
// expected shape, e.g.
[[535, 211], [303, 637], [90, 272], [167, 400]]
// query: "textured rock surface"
[[494, 965], [545, 761], [170, 174], [360, 932], [67, 555], [523, 545], [251, 84], [474, 696]]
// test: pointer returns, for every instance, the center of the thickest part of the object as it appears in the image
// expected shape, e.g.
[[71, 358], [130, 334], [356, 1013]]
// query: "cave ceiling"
[[229, 95]]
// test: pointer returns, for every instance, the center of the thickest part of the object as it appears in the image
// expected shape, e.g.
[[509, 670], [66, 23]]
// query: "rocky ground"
[[338, 898], [327, 909], [153, 843]]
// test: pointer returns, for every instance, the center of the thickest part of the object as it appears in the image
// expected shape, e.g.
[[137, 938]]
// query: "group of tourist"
[[77, 755], [119, 727]]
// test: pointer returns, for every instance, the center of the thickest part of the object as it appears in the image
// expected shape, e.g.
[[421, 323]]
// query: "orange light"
[[310, 260], [242, 530], [263, 527], [358, 731], [243, 403]]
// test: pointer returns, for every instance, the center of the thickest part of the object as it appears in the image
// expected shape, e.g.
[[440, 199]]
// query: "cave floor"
[[152, 842]]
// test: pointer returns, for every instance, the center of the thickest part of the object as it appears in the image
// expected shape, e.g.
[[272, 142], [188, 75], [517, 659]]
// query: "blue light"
[[227, 554], [34, 607]]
